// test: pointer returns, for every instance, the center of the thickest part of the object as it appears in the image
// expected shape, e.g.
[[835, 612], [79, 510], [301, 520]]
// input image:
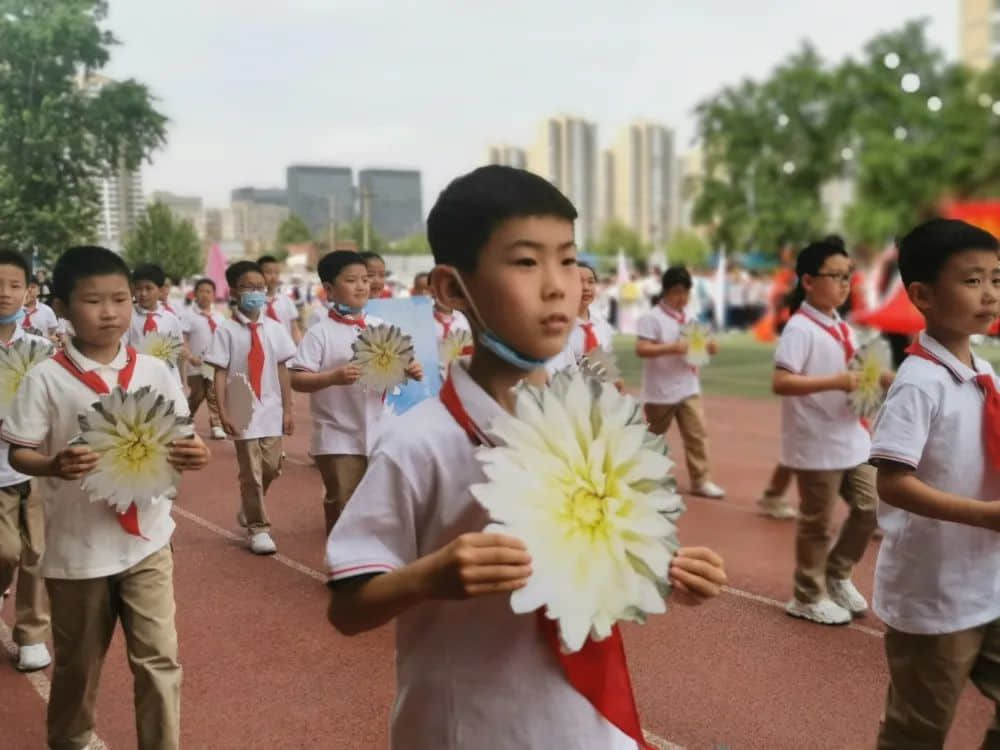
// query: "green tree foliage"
[[171, 243], [688, 249], [616, 236], [415, 244], [292, 231], [56, 135], [354, 231]]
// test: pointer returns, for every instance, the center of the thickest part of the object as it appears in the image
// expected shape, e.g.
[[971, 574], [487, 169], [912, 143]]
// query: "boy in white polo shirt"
[[591, 330], [280, 307], [823, 440], [670, 386], [149, 314], [471, 673], [253, 345], [203, 321], [345, 413], [38, 315], [937, 448], [99, 569]]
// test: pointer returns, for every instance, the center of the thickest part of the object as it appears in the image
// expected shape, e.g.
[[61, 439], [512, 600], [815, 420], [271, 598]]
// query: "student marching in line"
[[376, 276], [936, 446], [410, 545], [100, 567], [280, 307], [252, 345], [38, 315], [203, 322], [149, 314]]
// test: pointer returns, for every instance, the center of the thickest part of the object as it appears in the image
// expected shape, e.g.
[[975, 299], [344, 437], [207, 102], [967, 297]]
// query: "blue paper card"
[[415, 316]]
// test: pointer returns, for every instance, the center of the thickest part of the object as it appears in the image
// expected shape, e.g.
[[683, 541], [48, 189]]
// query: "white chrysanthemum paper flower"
[[872, 359], [15, 362], [600, 364], [581, 481], [383, 353], [697, 337], [132, 433], [457, 341], [241, 402], [162, 346]]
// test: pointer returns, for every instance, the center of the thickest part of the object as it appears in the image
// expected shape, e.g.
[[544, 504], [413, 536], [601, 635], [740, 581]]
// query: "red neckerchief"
[[991, 409], [680, 317], [212, 325], [149, 324], [168, 308], [841, 333], [270, 310], [256, 357], [590, 340], [599, 670], [446, 323], [338, 318], [128, 520], [26, 320]]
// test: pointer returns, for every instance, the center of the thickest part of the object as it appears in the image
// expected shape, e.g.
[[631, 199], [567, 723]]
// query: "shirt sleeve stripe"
[[15, 440], [357, 570], [877, 455]]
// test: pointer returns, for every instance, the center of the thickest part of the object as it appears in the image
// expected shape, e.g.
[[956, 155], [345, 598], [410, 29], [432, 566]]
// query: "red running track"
[[263, 669]]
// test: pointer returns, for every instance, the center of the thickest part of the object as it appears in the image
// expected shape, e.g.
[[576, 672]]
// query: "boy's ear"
[[921, 295], [446, 290]]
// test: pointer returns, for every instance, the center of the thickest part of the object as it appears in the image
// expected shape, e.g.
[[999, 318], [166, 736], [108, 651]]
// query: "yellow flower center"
[[587, 512], [136, 449], [383, 360]]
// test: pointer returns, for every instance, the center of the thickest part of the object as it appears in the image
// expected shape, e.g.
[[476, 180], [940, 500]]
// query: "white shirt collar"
[[959, 370], [478, 404], [821, 316], [243, 319], [86, 364]]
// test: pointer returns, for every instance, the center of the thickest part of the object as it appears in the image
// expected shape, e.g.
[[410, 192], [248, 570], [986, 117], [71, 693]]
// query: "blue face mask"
[[7, 319], [253, 301], [341, 309]]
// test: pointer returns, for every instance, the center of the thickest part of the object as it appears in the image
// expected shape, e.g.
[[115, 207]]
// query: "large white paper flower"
[[132, 433], [600, 364], [452, 346], [15, 362], [581, 481], [871, 361], [697, 337], [162, 346], [383, 353]]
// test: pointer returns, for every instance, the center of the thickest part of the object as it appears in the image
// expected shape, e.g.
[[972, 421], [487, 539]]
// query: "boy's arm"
[[899, 486], [787, 383], [288, 421], [221, 380], [647, 349], [73, 462]]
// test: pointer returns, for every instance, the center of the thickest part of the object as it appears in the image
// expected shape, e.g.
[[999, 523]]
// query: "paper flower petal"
[[576, 476], [162, 346], [15, 362], [453, 346], [132, 433], [240, 402], [600, 364], [870, 362], [383, 353], [697, 337]]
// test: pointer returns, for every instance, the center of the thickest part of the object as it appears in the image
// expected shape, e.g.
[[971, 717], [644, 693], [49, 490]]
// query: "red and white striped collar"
[[476, 402], [958, 369]]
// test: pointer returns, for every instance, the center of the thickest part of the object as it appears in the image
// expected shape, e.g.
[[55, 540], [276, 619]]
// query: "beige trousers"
[[815, 559], [927, 674], [691, 422], [22, 541], [341, 475], [203, 390], [84, 613], [259, 461]]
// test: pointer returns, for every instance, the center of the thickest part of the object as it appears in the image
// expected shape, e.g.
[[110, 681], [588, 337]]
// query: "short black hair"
[[368, 255], [676, 276], [472, 206], [205, 280], [331, 264], [34, 280], [149, 272], [812, 257], [425, 274], [14, 258], [585, 264], [84, 262], [267, 259], [236, 271], [924, 251]]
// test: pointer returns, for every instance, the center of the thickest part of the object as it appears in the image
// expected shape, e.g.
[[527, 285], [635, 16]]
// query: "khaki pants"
[[22, 541], [815, 560], [84, 613], [926, 676], [691, 423], [341, 475], [203, 390], [260, 462], [781, 479]]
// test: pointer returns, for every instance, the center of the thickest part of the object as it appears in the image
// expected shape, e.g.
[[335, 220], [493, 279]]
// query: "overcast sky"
[[251, 86]]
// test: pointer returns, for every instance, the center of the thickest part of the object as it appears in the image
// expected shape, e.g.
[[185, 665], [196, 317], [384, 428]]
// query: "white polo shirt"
[[200, 331], [562, 361], [230, 349], [180, 312], [285, 309], [41, 317], [936, 576], [668, 379], [9, 477], [469, 673], [345, 417], [166, 323], [455, 322], [83, 539], [819, 431], [602, 329]]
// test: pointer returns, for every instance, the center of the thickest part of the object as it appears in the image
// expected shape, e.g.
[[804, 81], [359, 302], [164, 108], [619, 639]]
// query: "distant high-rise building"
[[644, 181], [313, 191], [606, 211], [392, 201], [184, 207], [122, 204], [507, 156], [979, 32], [566, 155], [257, 214]]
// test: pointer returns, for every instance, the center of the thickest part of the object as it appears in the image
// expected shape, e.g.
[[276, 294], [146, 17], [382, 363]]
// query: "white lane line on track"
[[38, 679], [655, 740], [781, 605]]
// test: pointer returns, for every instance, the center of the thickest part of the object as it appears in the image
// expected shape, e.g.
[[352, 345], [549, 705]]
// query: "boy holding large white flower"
[[100, 565], [254, 346], [412, 545]]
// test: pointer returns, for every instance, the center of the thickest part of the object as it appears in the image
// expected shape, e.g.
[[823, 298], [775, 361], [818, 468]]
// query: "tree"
[[62, 126], [355, 232], [616, 236], [687, 248], [171, 243], [292, 231], [415, 244]]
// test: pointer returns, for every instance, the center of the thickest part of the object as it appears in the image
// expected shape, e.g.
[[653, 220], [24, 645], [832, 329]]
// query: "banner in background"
[[983, 214]]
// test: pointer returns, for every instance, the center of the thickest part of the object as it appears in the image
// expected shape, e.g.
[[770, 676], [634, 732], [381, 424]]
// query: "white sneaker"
[[709, 489], [844, 593], [825, 611], [776, 506], [32, 658], [218, 433], [261, 543]]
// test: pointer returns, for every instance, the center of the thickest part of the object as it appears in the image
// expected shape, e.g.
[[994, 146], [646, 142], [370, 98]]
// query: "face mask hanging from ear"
[[489, 340], [14, 318], [341, 309]]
